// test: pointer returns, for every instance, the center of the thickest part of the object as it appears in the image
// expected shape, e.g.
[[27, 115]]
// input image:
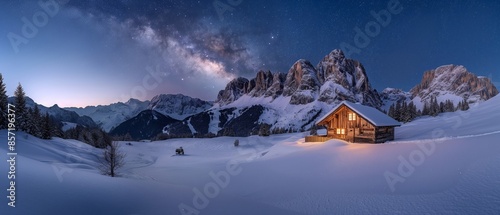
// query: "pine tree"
[[21, 111], [391, 111], [405, 112], [3, 104], [37, 121], [30, 125], [46, 128], [397, 111], [412, 109], [426, 109], [451, 106], [465, 105], [434, 107]]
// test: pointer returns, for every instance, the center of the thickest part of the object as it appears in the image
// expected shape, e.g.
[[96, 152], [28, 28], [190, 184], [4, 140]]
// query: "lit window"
[[352, 116], [338, 130], [342, 131]]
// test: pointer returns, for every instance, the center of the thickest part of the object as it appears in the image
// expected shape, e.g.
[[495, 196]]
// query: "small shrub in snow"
[[236, 143], [314, 131], [265, 130]]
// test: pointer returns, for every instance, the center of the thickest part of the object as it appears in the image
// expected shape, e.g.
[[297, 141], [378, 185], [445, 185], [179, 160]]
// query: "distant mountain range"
[[110, 116], [175, 106], [287, 102]]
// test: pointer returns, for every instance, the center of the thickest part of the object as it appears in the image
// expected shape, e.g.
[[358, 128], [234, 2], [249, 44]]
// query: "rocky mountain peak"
[[456, 80], [337, 55], [301, 83], [178, 106], [336, 78], [345, 79], [233, 91], [260, 84]]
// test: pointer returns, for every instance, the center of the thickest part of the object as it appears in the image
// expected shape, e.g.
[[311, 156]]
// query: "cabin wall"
[[384, 134], [359, 130], [341, 127]]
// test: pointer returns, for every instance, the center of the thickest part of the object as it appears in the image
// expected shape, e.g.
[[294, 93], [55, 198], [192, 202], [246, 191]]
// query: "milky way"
[[98, 52]]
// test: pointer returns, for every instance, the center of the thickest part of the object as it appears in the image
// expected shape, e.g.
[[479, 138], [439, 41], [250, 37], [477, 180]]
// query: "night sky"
[[100, 52]]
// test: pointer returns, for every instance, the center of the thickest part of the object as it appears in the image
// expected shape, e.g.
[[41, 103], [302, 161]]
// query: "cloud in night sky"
[[98, 52]]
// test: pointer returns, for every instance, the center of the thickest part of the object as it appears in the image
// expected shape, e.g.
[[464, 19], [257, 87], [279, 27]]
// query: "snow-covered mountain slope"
[[244, 117], [288, 102], [454, 83], [390, 96], [446, 164], [109, 116], [479, 120], [146, 125], [178, 106]]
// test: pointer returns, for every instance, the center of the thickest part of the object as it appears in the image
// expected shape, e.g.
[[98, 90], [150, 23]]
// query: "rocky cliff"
[[456, 81], [334, 79]]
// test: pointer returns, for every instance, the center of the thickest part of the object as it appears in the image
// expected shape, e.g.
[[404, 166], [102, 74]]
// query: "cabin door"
[[350, 134]]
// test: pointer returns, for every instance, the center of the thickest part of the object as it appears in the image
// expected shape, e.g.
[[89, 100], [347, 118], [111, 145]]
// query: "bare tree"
[[112, 160]]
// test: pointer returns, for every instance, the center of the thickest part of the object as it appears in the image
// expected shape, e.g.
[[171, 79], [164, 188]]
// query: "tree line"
[[406, 112], [32, 121]]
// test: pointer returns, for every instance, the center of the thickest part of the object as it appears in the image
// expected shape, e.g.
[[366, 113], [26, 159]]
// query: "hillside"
[[453, 165], [447, 82], [146, 125]]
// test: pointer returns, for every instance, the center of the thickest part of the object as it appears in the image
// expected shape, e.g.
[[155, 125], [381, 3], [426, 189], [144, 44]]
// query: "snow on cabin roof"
[[371, 114]]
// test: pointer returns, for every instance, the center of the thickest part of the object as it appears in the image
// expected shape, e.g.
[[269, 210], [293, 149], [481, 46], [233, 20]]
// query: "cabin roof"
[[374, 116]]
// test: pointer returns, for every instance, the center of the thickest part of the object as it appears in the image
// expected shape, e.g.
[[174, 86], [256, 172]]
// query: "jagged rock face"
[[276, 88], [178, 105], [455, 80], [335, 79], [260, 84], [345, 79], [234, 90], [301, 83], [264, 84]]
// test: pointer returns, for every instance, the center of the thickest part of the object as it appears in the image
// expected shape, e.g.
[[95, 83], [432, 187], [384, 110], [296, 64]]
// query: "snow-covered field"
[[443, 165]]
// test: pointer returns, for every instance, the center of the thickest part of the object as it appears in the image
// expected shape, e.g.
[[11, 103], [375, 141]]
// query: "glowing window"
[[338, 130], [352, 116], [342, 131]]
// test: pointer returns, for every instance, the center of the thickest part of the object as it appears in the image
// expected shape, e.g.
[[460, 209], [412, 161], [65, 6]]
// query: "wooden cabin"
[[356, 123]]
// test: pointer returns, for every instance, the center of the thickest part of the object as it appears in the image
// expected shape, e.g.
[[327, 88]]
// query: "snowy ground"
[[442, 165]]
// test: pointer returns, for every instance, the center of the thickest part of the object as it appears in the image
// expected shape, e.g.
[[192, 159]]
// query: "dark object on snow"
[[179, 151]]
